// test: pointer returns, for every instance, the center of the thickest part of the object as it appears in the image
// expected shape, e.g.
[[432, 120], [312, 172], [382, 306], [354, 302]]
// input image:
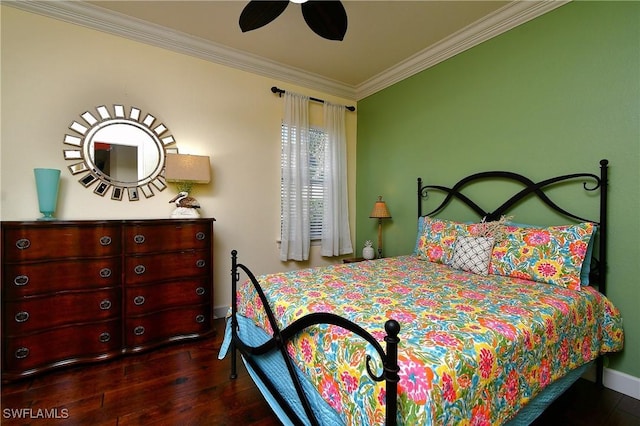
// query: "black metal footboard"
[[280, 338]]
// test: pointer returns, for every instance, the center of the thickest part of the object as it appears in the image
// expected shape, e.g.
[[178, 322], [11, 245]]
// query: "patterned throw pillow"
[[438, 238], [552, 255], [472, 254], [421, 221], [586, 265]]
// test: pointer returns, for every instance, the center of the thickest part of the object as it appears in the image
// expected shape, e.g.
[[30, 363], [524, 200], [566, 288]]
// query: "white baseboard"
[[617, 381], [622, 382]]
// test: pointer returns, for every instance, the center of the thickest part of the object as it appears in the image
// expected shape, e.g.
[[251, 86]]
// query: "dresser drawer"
[[71, 344], [37, 313], [161, 327], [49, 277], [155, 297], [167, 266], [60, 241], [169, 236]]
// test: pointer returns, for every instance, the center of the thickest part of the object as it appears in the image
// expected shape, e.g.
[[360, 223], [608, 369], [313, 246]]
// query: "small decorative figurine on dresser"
[[186, 207], [368, 252]]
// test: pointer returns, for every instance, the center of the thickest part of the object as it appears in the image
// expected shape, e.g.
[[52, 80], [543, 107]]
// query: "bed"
[[486, 322]]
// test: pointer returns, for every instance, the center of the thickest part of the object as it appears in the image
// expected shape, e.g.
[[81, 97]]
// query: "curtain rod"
[[274, 89]]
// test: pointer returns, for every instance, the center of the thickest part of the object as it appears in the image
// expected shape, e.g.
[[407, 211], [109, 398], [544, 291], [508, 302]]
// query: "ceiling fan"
[[328, 19]]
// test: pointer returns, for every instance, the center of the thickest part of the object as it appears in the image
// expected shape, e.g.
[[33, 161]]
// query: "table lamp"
[[380, 212], [186, 170]]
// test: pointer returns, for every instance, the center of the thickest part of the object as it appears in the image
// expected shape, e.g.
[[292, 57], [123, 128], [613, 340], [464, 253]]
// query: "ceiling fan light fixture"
[[299, 1]]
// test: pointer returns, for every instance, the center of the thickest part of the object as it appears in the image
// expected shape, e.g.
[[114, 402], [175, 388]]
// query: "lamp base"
[[379, 238], [185, 213]]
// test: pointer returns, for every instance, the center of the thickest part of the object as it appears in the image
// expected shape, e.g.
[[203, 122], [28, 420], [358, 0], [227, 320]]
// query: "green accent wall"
[[552, 96]]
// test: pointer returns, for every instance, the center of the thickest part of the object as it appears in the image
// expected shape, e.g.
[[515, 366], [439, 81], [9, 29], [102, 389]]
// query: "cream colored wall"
[[53, 71]]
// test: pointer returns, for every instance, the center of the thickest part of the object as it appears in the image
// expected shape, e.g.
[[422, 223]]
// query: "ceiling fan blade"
[[328, 19], [257, 14]]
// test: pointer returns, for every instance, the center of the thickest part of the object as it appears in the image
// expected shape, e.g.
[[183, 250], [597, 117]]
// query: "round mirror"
[[119, 152]]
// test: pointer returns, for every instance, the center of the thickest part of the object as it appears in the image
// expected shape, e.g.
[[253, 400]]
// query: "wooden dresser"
[[86, 291]]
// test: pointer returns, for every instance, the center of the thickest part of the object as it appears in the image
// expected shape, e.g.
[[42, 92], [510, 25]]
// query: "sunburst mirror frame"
[[81, 143]]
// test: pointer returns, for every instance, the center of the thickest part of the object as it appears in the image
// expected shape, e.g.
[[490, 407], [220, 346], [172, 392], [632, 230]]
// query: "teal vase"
[[47, 182]]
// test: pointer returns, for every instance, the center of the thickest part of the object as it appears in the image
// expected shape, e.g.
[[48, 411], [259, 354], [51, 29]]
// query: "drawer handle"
[[200, 291], [104, 337], [105, 272], [139, 269], [23, 244], [138, 331], [105, 240], [200, 263], [138, 300], [105, 305], [201, 236], [22, 316], [200, 319], [138, 238], [21, 280], [22, 353]]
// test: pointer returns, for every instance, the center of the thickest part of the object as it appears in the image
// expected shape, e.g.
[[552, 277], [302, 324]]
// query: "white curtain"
[[336, 235], [295, 179]]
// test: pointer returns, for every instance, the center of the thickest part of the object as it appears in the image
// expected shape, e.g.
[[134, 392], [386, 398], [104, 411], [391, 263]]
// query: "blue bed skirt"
[[274, 365]]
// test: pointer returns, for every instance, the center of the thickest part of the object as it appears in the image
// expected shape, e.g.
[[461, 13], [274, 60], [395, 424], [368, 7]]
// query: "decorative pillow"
[[437, 239], [472, 254], [421, 221], [586, 265], [552, 255]]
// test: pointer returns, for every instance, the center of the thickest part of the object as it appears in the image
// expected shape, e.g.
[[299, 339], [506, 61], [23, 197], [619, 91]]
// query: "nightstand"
[[353, 259]]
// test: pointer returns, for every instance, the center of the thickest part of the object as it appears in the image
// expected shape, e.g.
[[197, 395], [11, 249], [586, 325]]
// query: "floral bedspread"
[[474, 349]]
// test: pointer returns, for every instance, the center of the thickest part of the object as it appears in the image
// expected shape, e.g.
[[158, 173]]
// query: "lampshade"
[[187, 168], [380, 210]]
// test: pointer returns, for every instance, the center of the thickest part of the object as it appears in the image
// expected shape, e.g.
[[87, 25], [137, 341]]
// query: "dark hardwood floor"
[[186, 384]]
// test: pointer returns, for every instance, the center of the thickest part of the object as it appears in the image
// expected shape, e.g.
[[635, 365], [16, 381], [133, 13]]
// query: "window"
[[317, 142]]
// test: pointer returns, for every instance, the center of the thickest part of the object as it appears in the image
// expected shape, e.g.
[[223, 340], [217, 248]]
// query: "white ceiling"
[[385, 42]]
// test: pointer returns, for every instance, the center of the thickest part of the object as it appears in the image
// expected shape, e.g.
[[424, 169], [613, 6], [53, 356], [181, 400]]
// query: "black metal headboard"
[[529, 188]]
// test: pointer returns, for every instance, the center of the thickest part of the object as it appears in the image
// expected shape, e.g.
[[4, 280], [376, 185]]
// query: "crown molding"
[[94, 17], [492, 25], [97, 18]]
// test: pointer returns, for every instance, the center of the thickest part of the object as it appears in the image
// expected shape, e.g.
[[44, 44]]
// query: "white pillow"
[[472, 254]]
